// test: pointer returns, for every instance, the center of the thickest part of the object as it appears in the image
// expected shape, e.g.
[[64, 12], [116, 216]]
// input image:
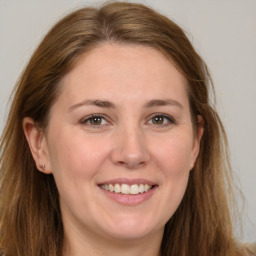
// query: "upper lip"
[[128, 181]]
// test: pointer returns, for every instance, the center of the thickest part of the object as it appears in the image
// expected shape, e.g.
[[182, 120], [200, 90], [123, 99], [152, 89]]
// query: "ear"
[[37, 144], [198, 136]]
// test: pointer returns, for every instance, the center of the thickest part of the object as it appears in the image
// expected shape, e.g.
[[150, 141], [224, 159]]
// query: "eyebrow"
[[98, 103], [166, 102], [108, 104]]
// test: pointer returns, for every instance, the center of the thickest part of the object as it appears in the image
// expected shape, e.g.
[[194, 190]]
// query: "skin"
[[127, 141]]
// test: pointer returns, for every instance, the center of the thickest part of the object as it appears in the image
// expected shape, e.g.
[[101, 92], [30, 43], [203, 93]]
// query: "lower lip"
[[130, 199]]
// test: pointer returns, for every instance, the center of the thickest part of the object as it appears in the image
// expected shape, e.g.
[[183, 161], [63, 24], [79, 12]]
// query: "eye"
[[161, 120], [94, 120]]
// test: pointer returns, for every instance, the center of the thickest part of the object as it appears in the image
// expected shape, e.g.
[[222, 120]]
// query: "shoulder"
[[250, 249]]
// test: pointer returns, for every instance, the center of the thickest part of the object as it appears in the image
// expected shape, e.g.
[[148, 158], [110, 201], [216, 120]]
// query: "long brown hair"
[[30, 218]]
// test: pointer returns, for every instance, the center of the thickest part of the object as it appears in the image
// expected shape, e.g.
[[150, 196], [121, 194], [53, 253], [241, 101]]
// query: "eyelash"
[[166, 118], [89, 118], [170, 120]]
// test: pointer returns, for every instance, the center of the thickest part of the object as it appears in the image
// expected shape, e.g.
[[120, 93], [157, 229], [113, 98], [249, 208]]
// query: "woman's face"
[[120, 142]]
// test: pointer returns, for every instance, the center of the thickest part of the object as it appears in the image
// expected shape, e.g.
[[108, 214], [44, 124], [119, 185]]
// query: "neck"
[[78, 244]]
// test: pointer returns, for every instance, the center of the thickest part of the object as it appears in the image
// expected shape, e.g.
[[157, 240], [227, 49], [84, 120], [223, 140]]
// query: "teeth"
[[111, 187], [117, 188], [141, 188], [125, 189], [134, 189]]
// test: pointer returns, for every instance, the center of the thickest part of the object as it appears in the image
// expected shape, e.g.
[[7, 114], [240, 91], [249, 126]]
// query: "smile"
[[126, 189]]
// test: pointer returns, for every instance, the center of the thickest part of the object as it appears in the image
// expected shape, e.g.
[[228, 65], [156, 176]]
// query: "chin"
[[132, 229]]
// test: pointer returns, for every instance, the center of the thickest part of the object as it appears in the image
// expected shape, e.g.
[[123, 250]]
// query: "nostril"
[[130, 156], [131, 164], [121, 163]]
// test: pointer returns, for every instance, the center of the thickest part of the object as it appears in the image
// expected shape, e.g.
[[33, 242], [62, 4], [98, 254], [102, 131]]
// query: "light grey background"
[[224, 33]]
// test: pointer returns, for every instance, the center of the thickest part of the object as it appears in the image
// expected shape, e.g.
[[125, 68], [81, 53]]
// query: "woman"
[[119, 149]]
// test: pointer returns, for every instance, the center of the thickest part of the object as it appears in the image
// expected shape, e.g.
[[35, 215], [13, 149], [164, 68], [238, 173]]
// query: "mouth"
[[126, 189], [128, 192]]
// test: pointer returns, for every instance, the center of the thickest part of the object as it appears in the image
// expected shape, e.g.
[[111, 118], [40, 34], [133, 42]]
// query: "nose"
[[130, 149]]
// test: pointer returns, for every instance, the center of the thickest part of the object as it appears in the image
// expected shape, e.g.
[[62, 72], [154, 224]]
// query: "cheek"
[[74, 157], [174, 156], [175, 166], [75, 161]]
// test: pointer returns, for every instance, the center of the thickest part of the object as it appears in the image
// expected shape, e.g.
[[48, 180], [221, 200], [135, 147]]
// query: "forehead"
[[119, 70]]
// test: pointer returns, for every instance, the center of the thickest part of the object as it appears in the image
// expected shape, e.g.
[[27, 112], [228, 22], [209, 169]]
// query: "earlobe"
[[37, 144]]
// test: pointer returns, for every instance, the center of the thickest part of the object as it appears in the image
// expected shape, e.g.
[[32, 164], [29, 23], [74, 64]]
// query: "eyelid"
[[170, 119], [87, 118]]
